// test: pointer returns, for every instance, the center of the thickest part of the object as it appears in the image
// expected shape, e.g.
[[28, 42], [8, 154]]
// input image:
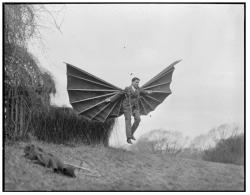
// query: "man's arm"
[[115, 97]]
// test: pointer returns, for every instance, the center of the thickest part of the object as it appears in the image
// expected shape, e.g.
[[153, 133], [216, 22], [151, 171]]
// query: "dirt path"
[[117, 169]]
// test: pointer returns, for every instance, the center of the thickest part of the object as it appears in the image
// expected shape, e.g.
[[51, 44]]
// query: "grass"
[[119, 170]]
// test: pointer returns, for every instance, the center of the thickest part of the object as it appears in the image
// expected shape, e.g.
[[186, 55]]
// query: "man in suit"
[[130, 107]]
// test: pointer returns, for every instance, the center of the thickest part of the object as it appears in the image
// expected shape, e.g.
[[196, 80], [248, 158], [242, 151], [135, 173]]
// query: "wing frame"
[[88, 92], [160, 85]]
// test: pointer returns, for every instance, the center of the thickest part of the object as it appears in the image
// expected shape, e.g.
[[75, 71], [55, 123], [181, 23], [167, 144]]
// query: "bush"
[[229, 150], [63, 125]]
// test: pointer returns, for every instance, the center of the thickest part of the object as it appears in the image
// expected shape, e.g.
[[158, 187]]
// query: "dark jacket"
[[134, 97]]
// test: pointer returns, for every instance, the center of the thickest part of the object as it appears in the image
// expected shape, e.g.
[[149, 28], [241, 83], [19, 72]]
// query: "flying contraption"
[[88, 92]]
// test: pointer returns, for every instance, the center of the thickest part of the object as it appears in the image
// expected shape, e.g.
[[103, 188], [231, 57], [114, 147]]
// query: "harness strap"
[[130, 104], [138, 100]]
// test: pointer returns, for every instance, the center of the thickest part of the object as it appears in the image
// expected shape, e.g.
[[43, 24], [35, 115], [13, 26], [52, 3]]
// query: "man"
[[130, 107]]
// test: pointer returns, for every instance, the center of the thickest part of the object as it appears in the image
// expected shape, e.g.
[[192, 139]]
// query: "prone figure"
[[37, 154]]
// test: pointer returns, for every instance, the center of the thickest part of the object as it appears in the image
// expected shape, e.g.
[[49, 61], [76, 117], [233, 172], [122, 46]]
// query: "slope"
[[115, 169]]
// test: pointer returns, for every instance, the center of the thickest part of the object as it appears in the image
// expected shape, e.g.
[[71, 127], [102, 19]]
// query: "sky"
[[112, 41]]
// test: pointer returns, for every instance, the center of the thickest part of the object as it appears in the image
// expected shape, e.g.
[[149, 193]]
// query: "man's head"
[[135, 82]]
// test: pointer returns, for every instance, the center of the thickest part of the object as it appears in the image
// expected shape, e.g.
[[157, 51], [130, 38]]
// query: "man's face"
[[135, 83]]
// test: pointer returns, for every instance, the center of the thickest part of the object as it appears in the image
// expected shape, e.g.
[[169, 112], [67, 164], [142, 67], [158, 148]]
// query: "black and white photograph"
[[124, 97]]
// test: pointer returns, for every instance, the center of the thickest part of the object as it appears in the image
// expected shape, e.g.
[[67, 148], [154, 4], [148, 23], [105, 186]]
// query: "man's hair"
[[135, 78]]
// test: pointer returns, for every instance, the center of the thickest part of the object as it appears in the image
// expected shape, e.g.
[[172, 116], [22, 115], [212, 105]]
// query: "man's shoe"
[[129, 141], [133, 138]]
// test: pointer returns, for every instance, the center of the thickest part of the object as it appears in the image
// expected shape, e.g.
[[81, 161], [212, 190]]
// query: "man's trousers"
[[131, 130]]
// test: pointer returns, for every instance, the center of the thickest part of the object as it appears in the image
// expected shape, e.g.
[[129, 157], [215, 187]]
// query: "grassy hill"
[[112, 169]]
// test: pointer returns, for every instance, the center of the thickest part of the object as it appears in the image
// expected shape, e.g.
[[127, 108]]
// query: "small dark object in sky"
[[124, 47], [150, 115], [131, 73]]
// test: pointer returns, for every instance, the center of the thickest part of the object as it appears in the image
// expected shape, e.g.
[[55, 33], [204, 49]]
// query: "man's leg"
[[137, 121], [127, 115]]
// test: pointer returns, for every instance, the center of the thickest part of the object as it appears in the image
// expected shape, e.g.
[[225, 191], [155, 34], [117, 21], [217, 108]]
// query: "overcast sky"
[[113, 41]]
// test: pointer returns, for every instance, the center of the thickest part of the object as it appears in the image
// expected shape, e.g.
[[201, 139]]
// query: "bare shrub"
[[201, 143], [161, 141], [223, 132], [24, 23]]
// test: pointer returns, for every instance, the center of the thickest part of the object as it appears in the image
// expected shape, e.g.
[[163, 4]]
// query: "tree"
[[229, 150], [206, 141], [161, 140], [27, 86], [23, 23], [200, 143], [206, 144], [223, 131]]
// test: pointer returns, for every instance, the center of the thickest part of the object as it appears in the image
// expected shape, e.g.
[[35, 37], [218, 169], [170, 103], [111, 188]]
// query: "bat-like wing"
[[88, 92], [160, 85]]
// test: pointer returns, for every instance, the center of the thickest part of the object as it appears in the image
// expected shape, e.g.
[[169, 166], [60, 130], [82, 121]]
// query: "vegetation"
[[64, 125], [224, 144], [160, 141], [229, 150], [28, 88], [114, 169]]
